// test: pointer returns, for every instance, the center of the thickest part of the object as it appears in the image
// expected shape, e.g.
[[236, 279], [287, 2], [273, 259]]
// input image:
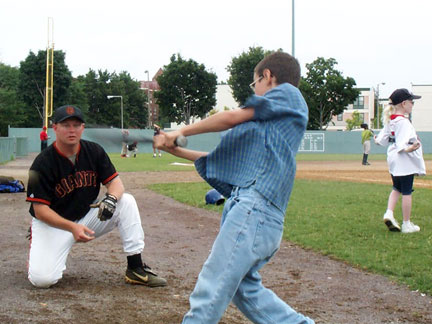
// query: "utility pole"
[[293, 31], [378, 106], [150, 115]]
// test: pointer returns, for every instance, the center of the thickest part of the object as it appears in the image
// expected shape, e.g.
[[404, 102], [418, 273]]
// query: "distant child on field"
[[366, 135], [254, 165], [155, 150], [125, 139], [133, 148], [404, 157], [43, 135]]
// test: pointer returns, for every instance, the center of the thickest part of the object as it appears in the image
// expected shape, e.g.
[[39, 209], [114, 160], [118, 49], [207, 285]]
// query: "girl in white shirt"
[[404, 157]]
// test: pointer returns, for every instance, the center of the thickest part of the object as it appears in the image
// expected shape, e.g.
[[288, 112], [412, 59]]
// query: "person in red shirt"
[[44, 138]]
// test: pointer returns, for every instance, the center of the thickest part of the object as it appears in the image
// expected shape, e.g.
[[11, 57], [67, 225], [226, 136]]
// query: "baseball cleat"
[[391, 223], [410, 228], [144, 276]]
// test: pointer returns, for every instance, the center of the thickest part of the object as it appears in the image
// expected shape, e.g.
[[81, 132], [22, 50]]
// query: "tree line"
[[187, 91], [22, 94]]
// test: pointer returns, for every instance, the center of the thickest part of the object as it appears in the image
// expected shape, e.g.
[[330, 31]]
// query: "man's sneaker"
[[144, 276], [409, 227], [391, 223]]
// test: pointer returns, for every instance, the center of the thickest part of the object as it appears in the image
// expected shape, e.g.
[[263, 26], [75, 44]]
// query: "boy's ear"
[[269, 77], [267, 74]]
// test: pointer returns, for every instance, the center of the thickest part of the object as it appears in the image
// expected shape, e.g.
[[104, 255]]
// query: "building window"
[[340, 117], [359, 103], [362, 117]]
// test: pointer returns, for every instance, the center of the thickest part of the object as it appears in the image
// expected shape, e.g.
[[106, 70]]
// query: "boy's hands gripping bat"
[[179, 141]]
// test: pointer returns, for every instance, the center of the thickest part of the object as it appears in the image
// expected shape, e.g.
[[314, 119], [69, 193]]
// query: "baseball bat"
[[180, 141]]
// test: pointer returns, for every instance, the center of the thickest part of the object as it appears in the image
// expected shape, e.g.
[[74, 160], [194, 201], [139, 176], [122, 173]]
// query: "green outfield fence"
[[11, 147], [329, 142], [111, 139]]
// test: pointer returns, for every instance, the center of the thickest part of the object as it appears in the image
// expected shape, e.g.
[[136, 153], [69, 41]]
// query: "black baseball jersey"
[[69, 188]]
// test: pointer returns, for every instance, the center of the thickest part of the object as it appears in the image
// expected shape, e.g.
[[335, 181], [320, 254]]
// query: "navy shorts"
[[403, 184]]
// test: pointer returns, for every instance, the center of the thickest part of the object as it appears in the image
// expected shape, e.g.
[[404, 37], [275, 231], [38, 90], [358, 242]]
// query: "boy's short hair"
[[284, 67]]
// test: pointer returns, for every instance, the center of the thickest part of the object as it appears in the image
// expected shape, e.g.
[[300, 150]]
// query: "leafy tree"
[[355, 122], [96, 87], [241, 72], [326, 92], [102, 111], [77, 94], [11, 108], [32, 81], [212, 112], [187, 90], [135, 108]]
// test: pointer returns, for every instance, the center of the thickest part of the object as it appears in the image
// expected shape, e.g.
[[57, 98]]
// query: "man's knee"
[[128, 207], [42, 280], [127, 201]]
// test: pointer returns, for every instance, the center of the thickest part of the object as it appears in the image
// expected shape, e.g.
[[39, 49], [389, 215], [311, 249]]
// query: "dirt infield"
[[178, 239], [353, 171]]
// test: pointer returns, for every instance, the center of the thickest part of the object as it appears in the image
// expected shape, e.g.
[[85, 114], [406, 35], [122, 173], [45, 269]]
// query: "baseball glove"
[[107, 207]]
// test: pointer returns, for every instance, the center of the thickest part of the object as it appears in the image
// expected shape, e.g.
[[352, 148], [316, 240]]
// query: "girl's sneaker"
[[391, 222], [408, 227]]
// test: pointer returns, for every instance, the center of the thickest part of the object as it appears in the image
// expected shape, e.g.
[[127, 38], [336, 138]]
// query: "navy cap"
[[64, 112], [400, 95], [214, 197]]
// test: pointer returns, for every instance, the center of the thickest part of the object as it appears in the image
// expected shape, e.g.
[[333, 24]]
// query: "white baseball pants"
[[50, 246]]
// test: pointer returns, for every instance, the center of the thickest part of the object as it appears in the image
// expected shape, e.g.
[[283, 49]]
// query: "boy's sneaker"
[[409, 227], [144, 276], [154, 155], [391, 223]]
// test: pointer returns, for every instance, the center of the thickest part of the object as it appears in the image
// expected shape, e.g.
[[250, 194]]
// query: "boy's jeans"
[[250, 234]]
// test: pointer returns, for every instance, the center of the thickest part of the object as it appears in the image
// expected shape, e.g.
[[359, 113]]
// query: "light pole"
[[378, 108], [293, 31], [148, 99], [121, 107]]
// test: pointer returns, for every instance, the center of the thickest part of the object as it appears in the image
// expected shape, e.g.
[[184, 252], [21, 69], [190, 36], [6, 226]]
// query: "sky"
[[373, 41]]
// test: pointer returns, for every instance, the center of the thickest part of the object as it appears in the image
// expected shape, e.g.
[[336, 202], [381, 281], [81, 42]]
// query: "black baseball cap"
[[64, 112], [400, 95]]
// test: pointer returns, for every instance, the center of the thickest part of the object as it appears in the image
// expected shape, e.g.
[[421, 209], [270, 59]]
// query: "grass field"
[[146, 162], [339, 219], [344, 220]]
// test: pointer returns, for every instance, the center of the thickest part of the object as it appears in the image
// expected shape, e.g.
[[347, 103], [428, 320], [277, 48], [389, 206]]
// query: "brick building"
[[150, 87]]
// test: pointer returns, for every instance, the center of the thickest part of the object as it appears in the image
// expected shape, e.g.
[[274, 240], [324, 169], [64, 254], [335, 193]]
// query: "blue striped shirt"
[[261, 151]]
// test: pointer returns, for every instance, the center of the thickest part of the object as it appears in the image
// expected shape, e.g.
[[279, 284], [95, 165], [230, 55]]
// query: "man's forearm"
[[115, 188], [45, 214]]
